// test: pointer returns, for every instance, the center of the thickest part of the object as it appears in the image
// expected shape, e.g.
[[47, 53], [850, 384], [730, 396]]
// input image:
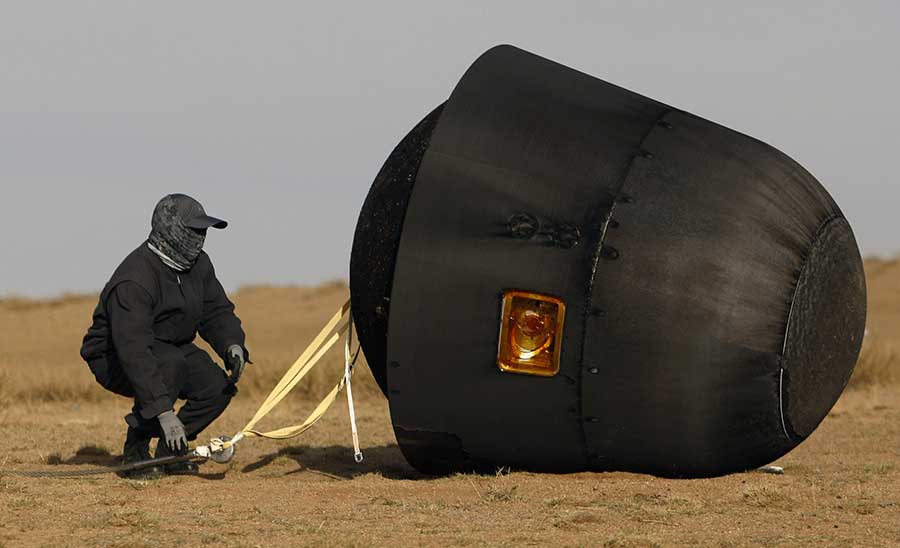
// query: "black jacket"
[[146, 301]]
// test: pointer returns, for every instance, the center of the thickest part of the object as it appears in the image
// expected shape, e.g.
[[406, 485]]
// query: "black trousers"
[[189, 374]]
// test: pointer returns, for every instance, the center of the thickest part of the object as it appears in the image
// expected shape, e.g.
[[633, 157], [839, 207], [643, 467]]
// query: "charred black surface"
[[715, 300], [710, 248], [827, 323], [375, 243]]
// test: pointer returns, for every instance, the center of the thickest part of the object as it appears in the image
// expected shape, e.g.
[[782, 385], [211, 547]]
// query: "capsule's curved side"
[[735, 278], [714, 294]]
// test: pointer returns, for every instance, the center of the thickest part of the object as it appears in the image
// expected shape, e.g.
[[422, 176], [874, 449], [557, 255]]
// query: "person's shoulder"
[[140, 253], [142, 258], [141, 266]]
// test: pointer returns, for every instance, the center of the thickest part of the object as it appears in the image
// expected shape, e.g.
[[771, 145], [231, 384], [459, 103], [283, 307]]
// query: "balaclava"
[[177, 244]]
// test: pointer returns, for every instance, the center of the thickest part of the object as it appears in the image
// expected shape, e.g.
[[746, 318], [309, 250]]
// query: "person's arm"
[[219, 326], [130, 311]]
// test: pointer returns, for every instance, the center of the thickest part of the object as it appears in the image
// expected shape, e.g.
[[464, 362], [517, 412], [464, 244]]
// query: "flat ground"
[[841, 487]]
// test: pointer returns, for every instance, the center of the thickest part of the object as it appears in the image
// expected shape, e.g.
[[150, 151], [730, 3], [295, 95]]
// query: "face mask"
[[170, 237]]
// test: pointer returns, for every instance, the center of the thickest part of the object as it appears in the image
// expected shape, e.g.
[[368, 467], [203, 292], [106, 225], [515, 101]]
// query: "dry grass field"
[[840, 488]]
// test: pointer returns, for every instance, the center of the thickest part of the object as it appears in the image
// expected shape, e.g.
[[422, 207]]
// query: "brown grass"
[[839, 487], [878, 364]]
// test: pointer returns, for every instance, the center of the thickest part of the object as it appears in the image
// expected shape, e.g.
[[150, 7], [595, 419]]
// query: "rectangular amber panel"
[[531, 327]]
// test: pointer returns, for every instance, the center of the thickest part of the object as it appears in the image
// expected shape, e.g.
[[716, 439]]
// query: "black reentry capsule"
[[730, 284]]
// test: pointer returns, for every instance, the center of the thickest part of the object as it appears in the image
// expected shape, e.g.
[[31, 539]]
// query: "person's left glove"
[[234, 362]]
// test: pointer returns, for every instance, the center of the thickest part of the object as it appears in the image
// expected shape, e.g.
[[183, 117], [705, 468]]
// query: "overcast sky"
[[277, 115]]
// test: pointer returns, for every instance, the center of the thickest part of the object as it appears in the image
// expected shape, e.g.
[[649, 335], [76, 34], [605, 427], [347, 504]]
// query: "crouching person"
[[140, 344]]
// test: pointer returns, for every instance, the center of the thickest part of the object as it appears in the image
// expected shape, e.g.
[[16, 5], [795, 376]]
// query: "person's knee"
[[204, 406], [208, 385], [216, 392], [223, 397]]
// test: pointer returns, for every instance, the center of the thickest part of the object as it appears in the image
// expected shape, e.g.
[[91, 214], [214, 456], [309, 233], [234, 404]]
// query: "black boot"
[[185, 468], [137, 449]]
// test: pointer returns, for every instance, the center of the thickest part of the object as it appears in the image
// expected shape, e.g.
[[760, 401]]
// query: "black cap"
[[192, 213]]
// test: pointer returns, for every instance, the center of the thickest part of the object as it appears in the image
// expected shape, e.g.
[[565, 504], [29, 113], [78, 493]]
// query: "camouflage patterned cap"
[[192, 213]]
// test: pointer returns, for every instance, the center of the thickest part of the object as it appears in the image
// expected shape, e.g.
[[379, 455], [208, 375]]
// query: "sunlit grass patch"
[[878, 364]]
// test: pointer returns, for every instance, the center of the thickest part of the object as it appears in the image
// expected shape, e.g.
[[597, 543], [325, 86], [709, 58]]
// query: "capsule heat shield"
[[714, 293]]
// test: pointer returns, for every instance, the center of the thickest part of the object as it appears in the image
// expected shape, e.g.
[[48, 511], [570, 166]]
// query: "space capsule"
[[554, 273]]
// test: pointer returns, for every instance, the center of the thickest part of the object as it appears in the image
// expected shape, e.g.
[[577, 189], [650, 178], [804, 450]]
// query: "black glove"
[[234, 362], [173, 431]]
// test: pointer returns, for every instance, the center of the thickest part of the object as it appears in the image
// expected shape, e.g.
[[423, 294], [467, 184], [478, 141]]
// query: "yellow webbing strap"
[[330, 334]]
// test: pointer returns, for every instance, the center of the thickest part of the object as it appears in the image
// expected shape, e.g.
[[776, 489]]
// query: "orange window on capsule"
[[531, 329]]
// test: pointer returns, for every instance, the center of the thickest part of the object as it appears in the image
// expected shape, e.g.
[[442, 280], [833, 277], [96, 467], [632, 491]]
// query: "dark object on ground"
[[714, 292], [137, 449], [178, 468], [132, 467]]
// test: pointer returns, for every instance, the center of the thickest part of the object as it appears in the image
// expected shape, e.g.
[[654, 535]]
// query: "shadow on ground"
[[334, 461], [99, 456], [337, 461], [88, 454]]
